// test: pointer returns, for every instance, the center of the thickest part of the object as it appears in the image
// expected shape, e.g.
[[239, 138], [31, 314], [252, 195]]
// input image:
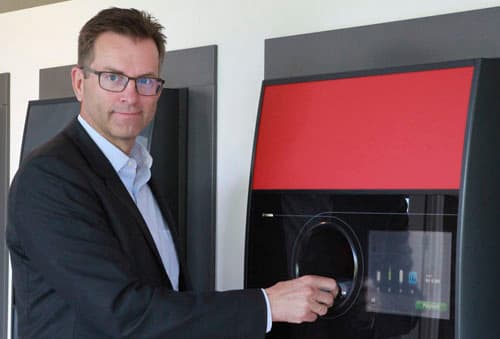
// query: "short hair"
[[129, 22]]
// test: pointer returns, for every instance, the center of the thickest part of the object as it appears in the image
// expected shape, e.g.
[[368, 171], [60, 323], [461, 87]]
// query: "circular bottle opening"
[[327, 246]]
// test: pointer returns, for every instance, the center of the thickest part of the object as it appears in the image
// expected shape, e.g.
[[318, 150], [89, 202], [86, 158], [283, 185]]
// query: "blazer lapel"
[[102, 168]]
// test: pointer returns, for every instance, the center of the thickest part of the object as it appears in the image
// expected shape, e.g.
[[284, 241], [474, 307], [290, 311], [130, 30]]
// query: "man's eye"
[[146, 81], [113, 77]]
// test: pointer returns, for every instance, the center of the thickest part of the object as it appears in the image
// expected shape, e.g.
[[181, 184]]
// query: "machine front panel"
[[392, 254]]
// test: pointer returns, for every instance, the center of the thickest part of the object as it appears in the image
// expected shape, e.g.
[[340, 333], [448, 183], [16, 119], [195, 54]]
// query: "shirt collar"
[[116, 156]]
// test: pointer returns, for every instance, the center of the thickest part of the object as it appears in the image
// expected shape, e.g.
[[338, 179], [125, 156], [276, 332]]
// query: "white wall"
[[46, 37]]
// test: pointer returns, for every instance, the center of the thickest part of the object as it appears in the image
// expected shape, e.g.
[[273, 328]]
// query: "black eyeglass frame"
[[161, 82]]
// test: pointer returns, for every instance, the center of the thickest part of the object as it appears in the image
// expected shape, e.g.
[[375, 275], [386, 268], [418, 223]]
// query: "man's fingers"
[[325, 298], [309, 317], [322, 283], [319, 309], [303, 299]]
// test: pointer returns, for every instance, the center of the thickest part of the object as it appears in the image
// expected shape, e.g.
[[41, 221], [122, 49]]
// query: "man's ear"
[[77, 77]]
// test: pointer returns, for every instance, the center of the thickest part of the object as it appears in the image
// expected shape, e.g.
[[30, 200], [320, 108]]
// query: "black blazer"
[[85, 265]]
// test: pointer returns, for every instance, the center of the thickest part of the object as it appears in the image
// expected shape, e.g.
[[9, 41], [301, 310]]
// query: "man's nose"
[[130, 94]]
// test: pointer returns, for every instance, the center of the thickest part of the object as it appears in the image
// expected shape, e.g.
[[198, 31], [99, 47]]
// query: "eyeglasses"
[[117, 82]]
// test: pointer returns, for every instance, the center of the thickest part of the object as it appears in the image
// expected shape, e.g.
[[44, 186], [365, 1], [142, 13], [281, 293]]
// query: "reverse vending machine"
[[388, 181]]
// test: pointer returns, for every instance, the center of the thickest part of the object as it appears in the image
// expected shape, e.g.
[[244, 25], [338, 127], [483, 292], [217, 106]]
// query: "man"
[[93, 249]]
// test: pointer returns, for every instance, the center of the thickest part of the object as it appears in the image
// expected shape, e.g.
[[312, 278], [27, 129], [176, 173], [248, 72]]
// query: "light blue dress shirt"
[[135, 172]]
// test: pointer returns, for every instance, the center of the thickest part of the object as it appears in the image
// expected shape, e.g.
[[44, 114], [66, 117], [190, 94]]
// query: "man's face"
[[119, 117]]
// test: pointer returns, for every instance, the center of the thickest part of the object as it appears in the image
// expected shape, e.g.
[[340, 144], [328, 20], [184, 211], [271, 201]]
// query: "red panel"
[[393, 131]]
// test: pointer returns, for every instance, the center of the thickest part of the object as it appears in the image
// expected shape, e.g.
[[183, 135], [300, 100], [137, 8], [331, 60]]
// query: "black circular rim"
[[329, 220]]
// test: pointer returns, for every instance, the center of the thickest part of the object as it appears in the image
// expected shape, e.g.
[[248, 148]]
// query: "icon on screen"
[[412, 278]]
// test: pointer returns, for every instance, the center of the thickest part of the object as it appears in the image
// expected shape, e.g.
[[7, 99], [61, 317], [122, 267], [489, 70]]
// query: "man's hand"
[[302, 299]]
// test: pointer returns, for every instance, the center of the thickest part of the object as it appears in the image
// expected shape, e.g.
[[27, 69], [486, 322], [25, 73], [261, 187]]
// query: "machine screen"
[[409, 273]]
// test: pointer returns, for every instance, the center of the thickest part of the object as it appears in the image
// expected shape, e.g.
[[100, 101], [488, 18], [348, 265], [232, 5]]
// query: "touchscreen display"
[[409, 273]]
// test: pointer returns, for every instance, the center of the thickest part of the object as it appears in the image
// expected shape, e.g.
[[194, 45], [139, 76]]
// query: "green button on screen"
[[422, 305]]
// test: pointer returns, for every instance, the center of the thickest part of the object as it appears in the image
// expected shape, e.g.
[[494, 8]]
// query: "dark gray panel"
[[55, 83], [433, 39], [195, 69], [14, 5], [201, 185], [4, 187], [191, 67], [478, 271], [44, 119]]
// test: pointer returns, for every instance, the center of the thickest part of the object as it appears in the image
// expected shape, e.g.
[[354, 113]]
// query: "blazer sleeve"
[[64, 232]]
